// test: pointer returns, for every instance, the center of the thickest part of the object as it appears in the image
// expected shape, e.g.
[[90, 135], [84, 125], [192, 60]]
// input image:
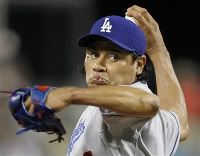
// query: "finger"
[[31, 108], [143, 12], [28, 102], [143, 23]]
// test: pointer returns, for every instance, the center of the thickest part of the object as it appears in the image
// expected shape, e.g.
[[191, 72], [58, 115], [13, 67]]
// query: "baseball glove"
[[42, 119]]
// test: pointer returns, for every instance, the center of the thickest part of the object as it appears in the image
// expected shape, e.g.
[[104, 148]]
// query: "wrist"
[[159, 53], [59, 98], [156, 49], [67, 94]]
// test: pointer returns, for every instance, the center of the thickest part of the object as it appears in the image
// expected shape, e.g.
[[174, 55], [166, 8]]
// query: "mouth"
[[98, 80]]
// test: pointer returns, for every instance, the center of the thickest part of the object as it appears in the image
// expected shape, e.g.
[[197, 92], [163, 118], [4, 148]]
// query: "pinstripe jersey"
[[100, 132]]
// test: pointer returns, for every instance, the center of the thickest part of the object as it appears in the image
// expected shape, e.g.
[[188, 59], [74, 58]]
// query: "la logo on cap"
[[106, 27]]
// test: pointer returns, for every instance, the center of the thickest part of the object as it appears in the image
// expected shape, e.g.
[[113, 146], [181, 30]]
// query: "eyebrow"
[[111, 50]]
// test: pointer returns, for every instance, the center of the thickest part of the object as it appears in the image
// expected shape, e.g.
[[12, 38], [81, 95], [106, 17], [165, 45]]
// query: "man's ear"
[[141, 61]]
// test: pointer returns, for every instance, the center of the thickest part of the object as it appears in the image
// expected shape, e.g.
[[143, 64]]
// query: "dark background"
[[49, 29], [49, 37]]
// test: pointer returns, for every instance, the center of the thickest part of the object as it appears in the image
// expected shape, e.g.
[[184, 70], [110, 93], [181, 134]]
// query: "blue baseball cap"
[[120, 31]]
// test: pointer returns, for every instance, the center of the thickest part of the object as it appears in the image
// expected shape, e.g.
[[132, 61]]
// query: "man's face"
[[107, 64]]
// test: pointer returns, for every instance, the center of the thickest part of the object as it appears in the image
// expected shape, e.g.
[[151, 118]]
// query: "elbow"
[[184, 133], [155, 104], [152, 104]]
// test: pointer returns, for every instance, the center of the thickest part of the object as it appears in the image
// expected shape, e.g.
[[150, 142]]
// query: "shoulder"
[[169, 117], [169, 122], [165, 120], [163, 130]]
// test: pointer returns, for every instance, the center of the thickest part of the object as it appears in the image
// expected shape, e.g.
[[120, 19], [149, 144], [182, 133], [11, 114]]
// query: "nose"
[[99, 65]]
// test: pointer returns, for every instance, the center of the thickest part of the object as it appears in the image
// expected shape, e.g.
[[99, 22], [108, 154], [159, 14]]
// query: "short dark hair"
[[147, 75]]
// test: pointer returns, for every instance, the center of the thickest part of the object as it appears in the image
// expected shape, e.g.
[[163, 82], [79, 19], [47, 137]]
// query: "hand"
[[150, 27], [29, 106], [57, 99], [42, 119]]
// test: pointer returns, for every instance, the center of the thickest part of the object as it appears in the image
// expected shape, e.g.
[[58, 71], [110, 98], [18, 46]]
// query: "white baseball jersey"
[[100, 132]]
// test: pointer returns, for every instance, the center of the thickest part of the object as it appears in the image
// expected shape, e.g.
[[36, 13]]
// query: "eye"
[[114, 57], [92, 53]]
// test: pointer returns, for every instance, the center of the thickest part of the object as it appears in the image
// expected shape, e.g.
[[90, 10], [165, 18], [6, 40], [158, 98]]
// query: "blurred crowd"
[[13, 74], [189, 76]]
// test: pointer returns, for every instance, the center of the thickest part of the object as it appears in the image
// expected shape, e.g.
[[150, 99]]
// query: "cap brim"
[[85, 40]]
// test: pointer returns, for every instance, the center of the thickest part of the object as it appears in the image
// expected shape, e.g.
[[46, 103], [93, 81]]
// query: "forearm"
[[121, 99], [168, 88], [166, 80]]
